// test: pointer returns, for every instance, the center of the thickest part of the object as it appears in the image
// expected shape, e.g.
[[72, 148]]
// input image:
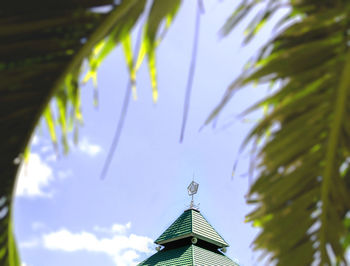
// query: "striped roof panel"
[[188, 255], [191, 223]]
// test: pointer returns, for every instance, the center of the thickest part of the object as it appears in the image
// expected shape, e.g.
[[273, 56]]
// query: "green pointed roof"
[[191, 223], [188, 255]]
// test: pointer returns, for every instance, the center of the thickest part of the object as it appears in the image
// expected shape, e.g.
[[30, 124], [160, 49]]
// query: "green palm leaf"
[[161, 10], [41, 55], [302, 192]]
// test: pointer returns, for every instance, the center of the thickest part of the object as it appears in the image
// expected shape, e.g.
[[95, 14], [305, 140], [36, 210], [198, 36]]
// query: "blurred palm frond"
[[42, 50]]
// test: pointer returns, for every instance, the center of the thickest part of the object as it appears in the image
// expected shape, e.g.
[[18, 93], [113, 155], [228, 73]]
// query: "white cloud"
[[122, 248], [115, 228], [90, 149], [46, 149], [34, 140], [34, 177], [120, 228]]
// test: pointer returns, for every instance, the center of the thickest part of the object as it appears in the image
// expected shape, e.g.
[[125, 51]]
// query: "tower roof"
[[190, 240], [191, 224], [188, 255]]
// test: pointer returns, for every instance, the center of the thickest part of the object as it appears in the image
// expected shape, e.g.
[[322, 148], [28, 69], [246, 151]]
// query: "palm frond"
[[41, 56], [160, 11], [302, 192], [36, 47]]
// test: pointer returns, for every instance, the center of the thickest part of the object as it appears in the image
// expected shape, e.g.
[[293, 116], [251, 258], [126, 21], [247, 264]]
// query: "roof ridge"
[[192, 222], [193, 258]]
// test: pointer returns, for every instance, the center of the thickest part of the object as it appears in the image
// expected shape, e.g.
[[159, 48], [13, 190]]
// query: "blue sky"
[[66, 215]]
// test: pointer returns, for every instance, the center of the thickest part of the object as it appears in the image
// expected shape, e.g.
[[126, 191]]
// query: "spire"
[[190, 240], [192, 189]]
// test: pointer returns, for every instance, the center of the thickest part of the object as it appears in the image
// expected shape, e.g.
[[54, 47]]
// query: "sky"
[[66, 215]]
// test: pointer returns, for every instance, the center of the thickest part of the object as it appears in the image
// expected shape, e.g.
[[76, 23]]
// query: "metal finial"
[[192, 189]]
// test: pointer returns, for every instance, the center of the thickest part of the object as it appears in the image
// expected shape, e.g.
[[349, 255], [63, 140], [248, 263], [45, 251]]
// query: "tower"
[[190, 240]]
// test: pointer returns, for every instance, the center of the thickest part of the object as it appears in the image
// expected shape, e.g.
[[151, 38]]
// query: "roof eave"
[[216, 243], [172, 239]]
